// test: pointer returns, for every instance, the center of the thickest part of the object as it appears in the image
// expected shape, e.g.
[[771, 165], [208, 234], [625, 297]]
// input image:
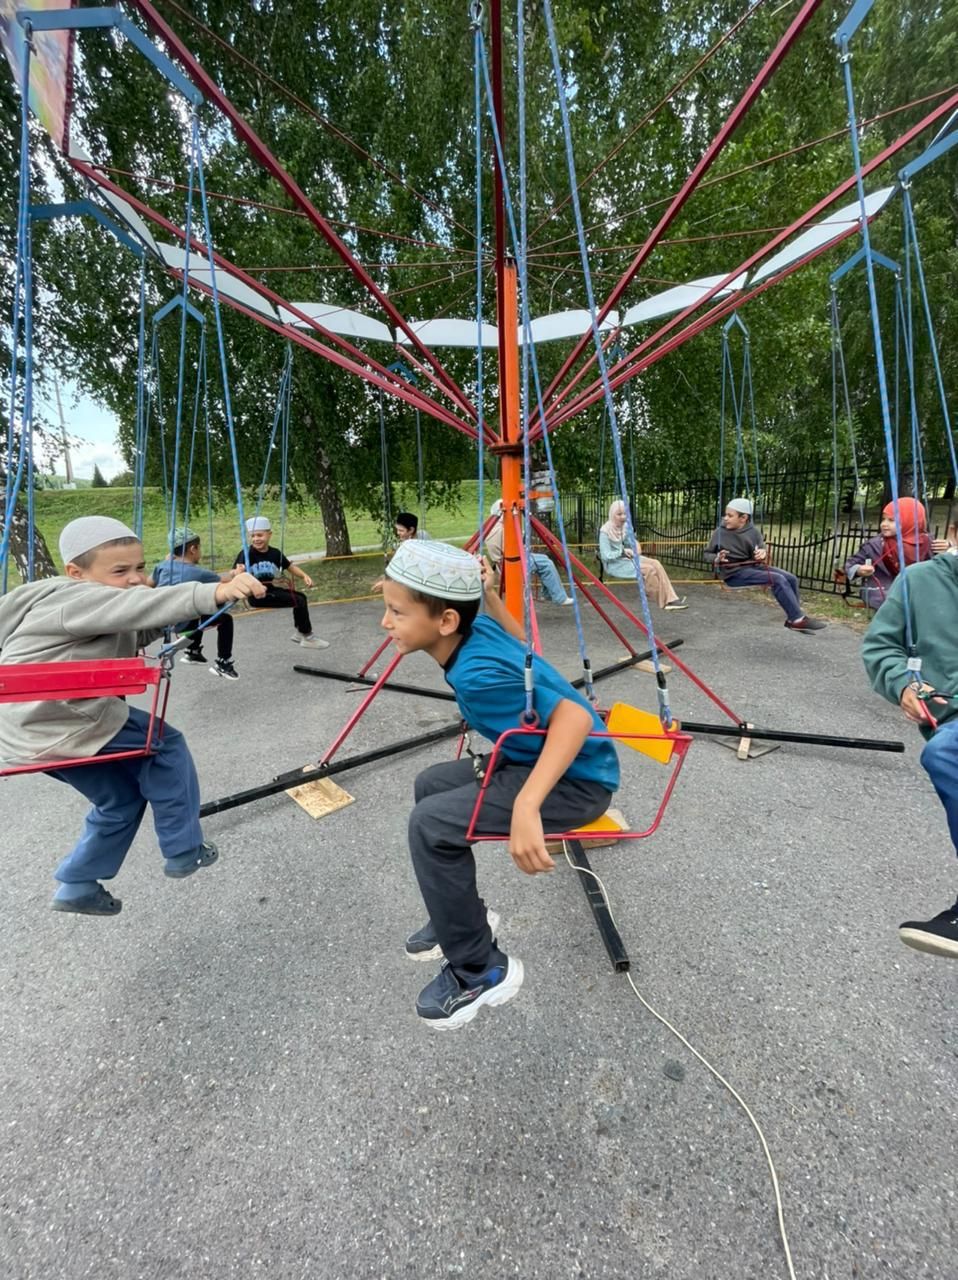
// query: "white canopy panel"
[[450, 333], [228, 285], [351, 324], [679, 297], [120, 208], [835, 225], [566, 324]]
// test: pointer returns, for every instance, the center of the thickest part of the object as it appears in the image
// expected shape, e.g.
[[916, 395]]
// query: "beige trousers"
[[657, 585]]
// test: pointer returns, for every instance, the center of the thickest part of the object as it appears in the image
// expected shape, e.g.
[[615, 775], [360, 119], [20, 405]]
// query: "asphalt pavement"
[[229, 1079]]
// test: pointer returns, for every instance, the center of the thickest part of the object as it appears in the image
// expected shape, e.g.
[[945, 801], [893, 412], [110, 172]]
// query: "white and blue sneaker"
[[424, 945], [447, 1002]]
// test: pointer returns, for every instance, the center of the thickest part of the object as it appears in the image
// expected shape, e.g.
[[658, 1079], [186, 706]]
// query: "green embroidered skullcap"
[[436, 569]]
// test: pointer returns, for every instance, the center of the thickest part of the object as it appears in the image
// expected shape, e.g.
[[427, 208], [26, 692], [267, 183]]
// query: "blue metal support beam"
[[92, 19]]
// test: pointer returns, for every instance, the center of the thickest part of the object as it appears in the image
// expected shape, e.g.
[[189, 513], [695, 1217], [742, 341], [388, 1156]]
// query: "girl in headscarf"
[[876, 563], [616, 556]]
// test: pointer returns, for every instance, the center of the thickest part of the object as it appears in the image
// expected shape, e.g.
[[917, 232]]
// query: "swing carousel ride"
[[38, 40]]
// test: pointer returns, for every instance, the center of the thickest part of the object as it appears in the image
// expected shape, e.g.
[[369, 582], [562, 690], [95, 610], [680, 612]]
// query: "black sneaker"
[[224, 667], [186, 863], [100, 903], [424, 945], [938, 936], [446, 1002], [194, 656]]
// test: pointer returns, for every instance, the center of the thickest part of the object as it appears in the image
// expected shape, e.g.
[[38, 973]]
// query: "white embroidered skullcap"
[[741, 505], [258, 524], [436, 569], [88, 532]]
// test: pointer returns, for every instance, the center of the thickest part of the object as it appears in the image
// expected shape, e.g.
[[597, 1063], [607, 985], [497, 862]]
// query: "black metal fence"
[[811, 524]]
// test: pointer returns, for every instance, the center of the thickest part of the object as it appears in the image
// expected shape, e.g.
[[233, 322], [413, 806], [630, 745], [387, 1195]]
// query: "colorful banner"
[[51, 65]]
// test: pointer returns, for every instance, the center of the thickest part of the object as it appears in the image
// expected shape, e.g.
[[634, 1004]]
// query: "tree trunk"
[[43, 566], [328, 497]]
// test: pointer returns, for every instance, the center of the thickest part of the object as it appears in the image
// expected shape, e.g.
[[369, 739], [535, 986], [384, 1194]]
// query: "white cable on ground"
[[708, 1066]]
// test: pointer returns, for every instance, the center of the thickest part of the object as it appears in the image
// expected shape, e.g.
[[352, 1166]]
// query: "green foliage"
[[99, 480], [368, 104]]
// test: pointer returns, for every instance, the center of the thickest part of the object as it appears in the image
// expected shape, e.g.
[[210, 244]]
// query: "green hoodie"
[[65, 620], [933, 603]]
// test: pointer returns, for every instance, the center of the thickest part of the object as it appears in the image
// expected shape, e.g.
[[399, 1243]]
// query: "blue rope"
[[184, 316], [209, 466], [527, 331], [384, 453], [904, 307], [278, 415], [284, 447], [220, 343], [751, 409], [911, 232], [665, 712], [22, 303], [839, 352], [200, 384], [914, 662], [527, 346], [140, 443], [480, 439]]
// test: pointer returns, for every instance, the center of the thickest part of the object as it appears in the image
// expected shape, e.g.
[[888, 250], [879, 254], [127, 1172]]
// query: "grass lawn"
[[304, 525]]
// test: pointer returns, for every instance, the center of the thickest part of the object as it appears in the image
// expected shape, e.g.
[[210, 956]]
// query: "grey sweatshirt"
[[741, 545], [63, 620]]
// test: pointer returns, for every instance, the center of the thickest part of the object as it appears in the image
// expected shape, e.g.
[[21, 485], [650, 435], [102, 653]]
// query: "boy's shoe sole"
[[230, 674], [435, 953], [101, 903], [931, 943], [188, 863], [313, 642], [502, 993]]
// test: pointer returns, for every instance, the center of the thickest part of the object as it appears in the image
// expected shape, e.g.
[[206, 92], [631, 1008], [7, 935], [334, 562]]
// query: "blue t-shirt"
[[486, 674], [170, 573]]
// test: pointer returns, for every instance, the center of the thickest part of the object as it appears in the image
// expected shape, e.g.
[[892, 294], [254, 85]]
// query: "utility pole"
[[70, 482]]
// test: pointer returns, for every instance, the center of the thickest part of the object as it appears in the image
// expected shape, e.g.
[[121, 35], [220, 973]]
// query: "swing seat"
[[630, 726], [74, 681], [840, 578]]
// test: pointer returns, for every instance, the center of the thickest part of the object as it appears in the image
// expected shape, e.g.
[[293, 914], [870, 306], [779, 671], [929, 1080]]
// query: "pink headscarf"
[[613, 528]]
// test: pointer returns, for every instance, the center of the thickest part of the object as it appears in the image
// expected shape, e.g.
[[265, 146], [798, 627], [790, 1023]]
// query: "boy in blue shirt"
[[184, 566], [555, 782]]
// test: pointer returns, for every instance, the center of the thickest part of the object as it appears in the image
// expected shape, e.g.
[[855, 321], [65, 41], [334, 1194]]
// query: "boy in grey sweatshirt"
[[103, 607], [738, 555]]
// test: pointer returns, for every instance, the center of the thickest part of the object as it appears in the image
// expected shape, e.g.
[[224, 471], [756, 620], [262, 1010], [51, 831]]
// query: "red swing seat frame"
[[99, 678], [681, 743]]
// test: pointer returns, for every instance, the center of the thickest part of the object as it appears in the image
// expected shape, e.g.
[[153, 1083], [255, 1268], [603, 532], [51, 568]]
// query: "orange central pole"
[[510, 430]]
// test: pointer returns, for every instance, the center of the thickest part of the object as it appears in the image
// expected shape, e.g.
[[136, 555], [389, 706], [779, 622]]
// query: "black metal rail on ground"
[[786, 735], [313, 772], [396, 686], [601, 914]]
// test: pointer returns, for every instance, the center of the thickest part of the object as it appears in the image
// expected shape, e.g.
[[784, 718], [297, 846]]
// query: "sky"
[[94, 429]]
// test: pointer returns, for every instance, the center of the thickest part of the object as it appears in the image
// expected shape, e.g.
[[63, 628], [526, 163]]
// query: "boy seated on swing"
[[738, 555], [405, 526], [556, 782], [184, 566], [95, 612], [265, 563]]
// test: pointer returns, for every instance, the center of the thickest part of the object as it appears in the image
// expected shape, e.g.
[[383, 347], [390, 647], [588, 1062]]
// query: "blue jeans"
[[120, 791], [940, 761], [784, 586], [549, 577]]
